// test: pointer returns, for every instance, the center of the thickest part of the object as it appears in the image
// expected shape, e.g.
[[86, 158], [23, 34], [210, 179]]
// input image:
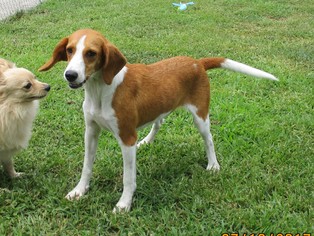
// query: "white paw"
[[16, 175], [141, 143], [76, 193], [4, 190], [213, 167], [122, 207]]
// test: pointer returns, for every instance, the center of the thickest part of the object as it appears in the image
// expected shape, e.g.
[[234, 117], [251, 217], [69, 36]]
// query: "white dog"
[[19, 94]]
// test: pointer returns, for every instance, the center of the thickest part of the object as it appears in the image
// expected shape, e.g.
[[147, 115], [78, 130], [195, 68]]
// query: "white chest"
[[98, 102], [102, 113]]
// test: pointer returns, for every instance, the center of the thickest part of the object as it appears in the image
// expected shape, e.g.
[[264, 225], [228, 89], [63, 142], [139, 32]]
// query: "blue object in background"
[[182, 6]]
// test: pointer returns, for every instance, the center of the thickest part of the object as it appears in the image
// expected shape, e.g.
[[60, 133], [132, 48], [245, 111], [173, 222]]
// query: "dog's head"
[[19, 85], [87, 52]]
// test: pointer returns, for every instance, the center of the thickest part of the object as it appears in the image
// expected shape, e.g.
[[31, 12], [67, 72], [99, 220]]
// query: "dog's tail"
[[220, 62]]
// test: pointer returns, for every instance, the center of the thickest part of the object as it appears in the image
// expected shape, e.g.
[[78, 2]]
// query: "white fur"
[[151, 136], [16, 124], [245, 69], [129, 178], [15, 131], [155, 128], [18, 109], [98, 98], [77, 62], [98, 113], [203, 127]]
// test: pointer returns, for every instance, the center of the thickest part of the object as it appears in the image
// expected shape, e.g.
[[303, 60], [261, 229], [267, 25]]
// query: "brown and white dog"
[[122, 98], [19, 95]]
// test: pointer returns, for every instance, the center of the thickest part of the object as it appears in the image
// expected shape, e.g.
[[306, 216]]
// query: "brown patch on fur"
[[211, 63], [151, 90], [147, 91], [59, 54], [114, 62]]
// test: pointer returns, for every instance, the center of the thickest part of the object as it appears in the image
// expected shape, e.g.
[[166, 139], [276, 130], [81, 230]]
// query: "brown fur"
[[151, 90], [109, 58], [148, 90], [122, 97]]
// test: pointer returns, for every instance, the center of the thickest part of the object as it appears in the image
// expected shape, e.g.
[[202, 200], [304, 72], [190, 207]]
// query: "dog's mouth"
[[75, 85], [37, 97]]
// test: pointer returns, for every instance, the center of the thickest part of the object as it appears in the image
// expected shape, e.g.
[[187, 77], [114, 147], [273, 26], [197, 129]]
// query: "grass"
[[263, 131]]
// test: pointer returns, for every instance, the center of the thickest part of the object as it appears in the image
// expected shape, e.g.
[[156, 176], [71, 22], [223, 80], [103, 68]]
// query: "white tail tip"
[[245, 69]]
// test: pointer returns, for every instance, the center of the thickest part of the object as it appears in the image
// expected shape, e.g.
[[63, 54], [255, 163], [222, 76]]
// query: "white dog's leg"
[[203, 127], [151, 136], [129, 178], [8, 165], [91, 140]]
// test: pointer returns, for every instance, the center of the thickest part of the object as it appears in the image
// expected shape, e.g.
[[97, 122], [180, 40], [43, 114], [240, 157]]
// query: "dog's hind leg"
[[203, 127], [156, 126], [151, 136]]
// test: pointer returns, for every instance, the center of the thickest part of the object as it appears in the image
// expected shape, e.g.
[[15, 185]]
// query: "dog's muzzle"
[[71, 76]]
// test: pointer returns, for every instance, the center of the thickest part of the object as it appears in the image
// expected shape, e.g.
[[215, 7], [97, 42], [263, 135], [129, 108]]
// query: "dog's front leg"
[[129, 178], [8, 165], [91, 139]]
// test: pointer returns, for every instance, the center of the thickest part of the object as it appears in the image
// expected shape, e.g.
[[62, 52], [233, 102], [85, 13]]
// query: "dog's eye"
[[69, 50], [90, 54], [28, 86]]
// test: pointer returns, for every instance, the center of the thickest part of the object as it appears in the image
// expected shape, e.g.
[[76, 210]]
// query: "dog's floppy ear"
[[59, 54], [114, 61]]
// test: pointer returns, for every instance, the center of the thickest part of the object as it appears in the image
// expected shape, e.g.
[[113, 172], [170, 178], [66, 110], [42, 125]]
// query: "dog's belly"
[[159, 118]]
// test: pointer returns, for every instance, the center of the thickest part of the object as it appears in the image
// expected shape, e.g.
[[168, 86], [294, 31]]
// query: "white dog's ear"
[[113, 62], [5, 64], [59, 54]]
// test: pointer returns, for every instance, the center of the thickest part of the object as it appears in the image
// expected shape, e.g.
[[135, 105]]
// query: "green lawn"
[[263, 130]]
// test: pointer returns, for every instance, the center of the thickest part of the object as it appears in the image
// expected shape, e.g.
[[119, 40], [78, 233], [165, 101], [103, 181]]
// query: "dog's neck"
[[96, 87], [8, 102], [16, 110]]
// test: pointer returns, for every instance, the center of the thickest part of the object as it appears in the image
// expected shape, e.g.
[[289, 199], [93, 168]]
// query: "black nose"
[[47, 88], [71, 75]]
